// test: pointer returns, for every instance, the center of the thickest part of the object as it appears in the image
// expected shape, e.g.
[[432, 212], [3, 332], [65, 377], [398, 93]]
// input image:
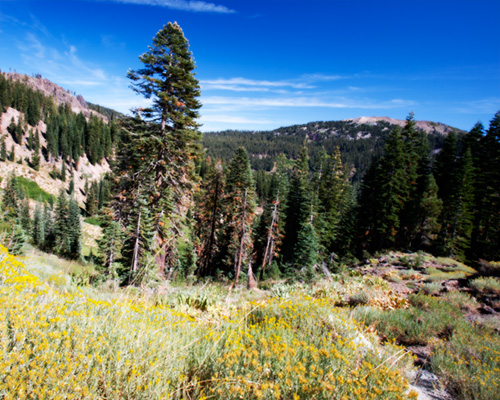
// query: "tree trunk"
[[242, 240], [135, 257], [208, 251], [111, 257], [268, 253], [252, 282]]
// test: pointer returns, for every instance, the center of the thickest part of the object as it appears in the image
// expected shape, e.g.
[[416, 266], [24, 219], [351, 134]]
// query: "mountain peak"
[[426, 126], [60, 95]]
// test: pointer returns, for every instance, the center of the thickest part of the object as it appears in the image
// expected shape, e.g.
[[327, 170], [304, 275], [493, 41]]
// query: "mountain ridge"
[[58, 93], [426, 126], [82, 170]]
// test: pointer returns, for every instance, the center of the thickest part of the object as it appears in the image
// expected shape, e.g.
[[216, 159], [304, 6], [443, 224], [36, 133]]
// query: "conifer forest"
[[245, 204]]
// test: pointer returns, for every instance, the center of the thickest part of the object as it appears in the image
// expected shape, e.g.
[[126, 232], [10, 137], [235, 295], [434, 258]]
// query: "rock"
[[451, 286], [484, 309], [423, 354], [362, 343], [428, 386]]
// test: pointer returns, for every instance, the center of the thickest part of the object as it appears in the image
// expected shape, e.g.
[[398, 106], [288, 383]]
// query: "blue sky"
[[266, 64]]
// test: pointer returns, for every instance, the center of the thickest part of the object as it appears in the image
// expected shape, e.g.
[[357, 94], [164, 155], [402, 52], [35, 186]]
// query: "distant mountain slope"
[[72, 135], [431, 128], [59, 94], [360, 140]]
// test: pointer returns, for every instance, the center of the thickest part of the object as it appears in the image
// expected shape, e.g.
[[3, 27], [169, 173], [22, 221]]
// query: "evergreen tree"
[[19, 131], [333, 193], [138, 248], [63, 171], [5, 95], [431, 207], [12, 129], [269, 232], [345, 242], [71, 187], [14, 215], [167, 77], [299, 205], [445, 169], [458, 213], [91, 204], [210, 217], [74, 230], [25, 217], [103, 193], [62, 241], [30, 140], [38, 229], [446, 173], [33, 110], [12, 199], [3, 149], [160, 151], [383, 194], [52, 137], [16, 240], [306, 249], [12, 155], [49, 229], [240, 204], [110, 244], [487, 235]]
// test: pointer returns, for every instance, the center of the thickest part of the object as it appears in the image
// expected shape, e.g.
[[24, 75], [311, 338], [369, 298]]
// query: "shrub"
[[469, 363], [486, 286], [432, 288]]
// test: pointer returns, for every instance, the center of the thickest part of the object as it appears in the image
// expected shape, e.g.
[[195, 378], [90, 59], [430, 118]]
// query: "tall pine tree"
[[162, 143], [240, 204]]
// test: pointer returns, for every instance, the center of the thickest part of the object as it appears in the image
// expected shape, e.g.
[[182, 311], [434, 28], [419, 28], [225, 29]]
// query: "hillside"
[[56, 123], [56, 92], [379, 328], [360, 140]]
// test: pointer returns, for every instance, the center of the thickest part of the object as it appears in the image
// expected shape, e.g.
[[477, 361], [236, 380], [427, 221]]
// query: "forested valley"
[[306, 200]]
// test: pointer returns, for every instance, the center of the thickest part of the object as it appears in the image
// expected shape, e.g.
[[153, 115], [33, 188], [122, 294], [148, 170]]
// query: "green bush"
[[432, 288], [486, 286]]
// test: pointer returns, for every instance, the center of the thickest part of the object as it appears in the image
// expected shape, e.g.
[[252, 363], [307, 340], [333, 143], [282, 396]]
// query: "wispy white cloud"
[[305, 82], [236, 88], [230, 103], [304, 102], [234, 119], [65, 67], [244, 84], [323, 77], [184, 5]]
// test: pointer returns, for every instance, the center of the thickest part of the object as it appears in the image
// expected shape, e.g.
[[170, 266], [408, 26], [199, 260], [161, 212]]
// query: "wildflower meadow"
[[59, 341]]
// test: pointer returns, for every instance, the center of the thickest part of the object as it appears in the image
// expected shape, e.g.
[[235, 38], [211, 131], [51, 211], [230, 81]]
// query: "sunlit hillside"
[[63, 342]]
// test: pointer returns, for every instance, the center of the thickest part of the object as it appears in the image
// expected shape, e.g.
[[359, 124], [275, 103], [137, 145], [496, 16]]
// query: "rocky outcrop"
[[426, 126], [60, 95]]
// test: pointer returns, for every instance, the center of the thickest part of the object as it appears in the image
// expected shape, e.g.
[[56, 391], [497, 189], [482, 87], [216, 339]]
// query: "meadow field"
[[60, 340]]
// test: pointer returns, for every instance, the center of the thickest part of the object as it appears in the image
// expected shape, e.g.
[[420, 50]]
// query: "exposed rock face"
[[81, 173], [426, 126], [60, 95]]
